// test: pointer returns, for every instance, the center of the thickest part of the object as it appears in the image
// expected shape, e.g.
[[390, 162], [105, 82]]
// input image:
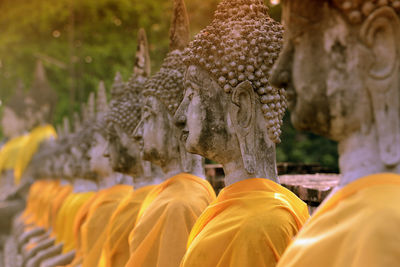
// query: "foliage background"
[[83, 42]]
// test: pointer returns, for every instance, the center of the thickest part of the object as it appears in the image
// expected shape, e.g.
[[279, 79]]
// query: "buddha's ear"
[[242, 114], [381, 34]]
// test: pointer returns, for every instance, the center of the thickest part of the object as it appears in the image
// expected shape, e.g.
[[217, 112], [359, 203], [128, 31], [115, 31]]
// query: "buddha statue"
[[340, 65], [231, 114], [125, 111], [168, 212]]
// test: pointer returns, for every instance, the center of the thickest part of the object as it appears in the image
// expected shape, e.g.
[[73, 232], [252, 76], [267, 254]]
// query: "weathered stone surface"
[[311, 188], [8, 209], [230, 113], [44, 255], [346, 87], [60, 260], [11, 253]]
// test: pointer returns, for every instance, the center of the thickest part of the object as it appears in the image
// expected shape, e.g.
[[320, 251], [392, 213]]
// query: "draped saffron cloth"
[[357, 227], [93, 232], [165, 220], [64, 230], [250, 224], [115, 252]]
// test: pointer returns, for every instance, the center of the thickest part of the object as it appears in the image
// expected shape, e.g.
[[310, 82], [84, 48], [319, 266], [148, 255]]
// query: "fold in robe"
[[250, 224], [64, 231], [115, 251], [93, 230], [358, 227], [165, 220]]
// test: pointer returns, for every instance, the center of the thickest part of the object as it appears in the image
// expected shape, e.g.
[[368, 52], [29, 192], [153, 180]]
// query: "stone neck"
[[171, 168], [235, 171], [359, 157]]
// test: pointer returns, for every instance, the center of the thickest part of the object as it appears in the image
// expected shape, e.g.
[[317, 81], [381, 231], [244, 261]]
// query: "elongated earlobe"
[[242, 113], [381, 34]]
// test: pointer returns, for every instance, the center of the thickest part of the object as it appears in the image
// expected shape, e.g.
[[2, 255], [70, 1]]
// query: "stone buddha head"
[[97, 152], [156, 132], [230, 113], [340, 65], [125, 110]]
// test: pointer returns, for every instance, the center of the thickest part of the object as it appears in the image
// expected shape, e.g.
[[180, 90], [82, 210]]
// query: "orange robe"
[[165, 220], [250, 224], [358, 227], [80, 219], [93, 230], [56, 203], [64, 230], [115, 251], [29, 214]]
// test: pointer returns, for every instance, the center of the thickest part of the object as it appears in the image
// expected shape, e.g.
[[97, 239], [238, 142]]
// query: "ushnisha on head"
[[241, 44], [125, 108], [125, 113], [167, 84]]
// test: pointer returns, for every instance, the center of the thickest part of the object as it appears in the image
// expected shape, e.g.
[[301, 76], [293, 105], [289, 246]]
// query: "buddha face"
[[156, 133], [124, 154], [320, 68], [98, 161], [204, 120], [78, 160]]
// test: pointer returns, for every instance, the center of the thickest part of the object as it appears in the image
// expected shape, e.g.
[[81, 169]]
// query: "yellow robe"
[[250, 224], [358, 227], [165, 220], [44, 209], [80, 219], [65, 219], [25, 154], [57, 202], [9, 152], [93, 230], [115, 251]]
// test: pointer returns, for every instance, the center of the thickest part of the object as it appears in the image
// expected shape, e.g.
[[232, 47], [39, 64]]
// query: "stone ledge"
[[311, 188]]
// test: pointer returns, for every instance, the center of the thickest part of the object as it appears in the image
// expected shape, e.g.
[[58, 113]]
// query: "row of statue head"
[[98, 146], [211, 97]]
